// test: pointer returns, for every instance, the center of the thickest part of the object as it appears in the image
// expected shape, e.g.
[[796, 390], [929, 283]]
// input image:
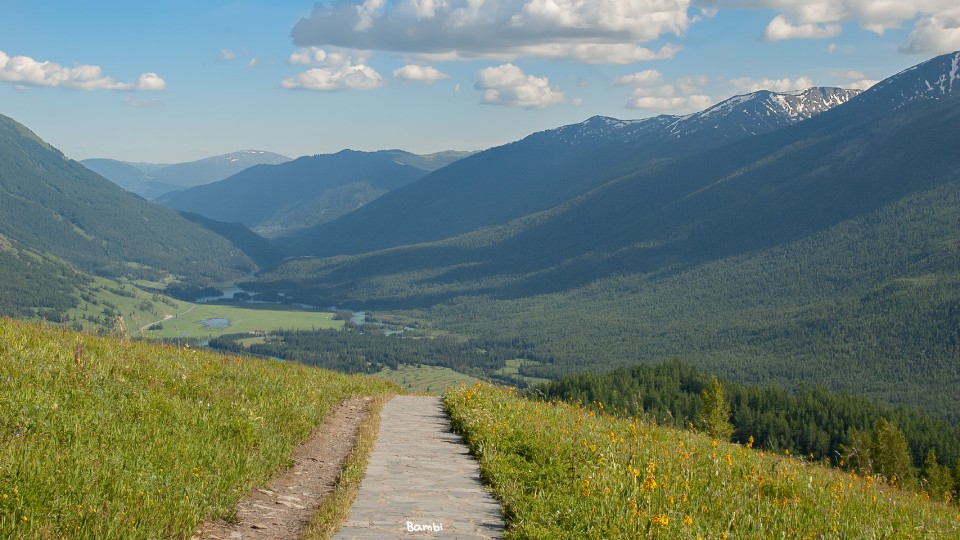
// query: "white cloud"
[[861, 84], [680, 95], [308, 56], [936, 34], [598, 31], [226, 55], [333, 71], [831, 48], [253, 62], [425, 74], [25, 71], [640, 78], [577, 102], [509, 85], [150, 82], [936, 28], [779, 29], [746, 84]]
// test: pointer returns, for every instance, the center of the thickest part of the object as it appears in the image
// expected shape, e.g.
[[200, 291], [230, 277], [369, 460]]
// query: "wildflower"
[[660, 520], [687, 520], [750, 442]]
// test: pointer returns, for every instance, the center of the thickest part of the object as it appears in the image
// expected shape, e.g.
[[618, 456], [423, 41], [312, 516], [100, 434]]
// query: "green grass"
[[562, 471], [248, 318], [512, 368], [423, 378], [182, 319], [102, 438]]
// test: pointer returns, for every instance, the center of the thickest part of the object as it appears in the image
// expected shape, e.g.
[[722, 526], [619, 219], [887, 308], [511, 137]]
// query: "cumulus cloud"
[[24, 71], [640, 78], [786, 84], [336, 71], [599, 31], [936, 23], [652, 92], [425, 74], [856, 80], [936, 34], [508, 85], [779, 29], [150, 81]]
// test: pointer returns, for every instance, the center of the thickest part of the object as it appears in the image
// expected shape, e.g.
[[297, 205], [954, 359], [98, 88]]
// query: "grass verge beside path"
[[102, 438], [565, 472], [336, 508]]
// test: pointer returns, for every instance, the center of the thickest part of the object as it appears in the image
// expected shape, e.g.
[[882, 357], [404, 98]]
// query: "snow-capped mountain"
[[933, 79], [739, 116]]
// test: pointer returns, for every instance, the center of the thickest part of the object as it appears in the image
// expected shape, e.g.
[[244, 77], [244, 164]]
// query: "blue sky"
[[181, 80]]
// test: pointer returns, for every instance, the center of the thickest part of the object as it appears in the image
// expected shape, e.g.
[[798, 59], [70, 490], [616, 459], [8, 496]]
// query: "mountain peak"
[[933, 79]]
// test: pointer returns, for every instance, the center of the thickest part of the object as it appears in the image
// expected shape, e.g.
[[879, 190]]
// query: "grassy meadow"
[[103, 438], [245, 318], [563, 471], [107, 299], [423, 378]]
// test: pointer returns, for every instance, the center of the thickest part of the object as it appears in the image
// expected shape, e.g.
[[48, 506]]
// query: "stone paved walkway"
[[421, 477]]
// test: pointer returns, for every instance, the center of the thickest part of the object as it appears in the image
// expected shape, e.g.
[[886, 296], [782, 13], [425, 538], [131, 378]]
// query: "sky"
[[179, 80]]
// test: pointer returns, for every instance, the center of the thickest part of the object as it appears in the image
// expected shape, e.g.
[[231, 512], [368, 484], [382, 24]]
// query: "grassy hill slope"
[[102, 438], [565, 472]]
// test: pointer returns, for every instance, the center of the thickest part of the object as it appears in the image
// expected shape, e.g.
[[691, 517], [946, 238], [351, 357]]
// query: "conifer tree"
[[714, 415], [890, 453], [937, 480]]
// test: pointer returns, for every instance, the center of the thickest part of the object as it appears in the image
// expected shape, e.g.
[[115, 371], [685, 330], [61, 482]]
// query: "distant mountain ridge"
[[55, 205], [547, 168], [152, 180], [282, 199]]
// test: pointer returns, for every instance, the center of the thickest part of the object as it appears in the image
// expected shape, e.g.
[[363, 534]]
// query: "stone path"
[[421, 481]]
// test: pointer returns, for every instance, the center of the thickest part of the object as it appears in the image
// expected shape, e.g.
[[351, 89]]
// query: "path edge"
[[335, 508]]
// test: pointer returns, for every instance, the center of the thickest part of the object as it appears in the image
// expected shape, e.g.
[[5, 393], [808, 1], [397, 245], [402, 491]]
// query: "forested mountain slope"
[[280, 199], [53, 204], [548, 168]]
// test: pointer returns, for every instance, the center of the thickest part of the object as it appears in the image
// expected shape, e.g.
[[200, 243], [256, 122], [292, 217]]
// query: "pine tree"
[[937, 480], [714, 415], [890, 453]]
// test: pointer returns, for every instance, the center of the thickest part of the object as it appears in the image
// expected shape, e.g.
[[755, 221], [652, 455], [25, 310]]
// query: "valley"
[[770, 283]]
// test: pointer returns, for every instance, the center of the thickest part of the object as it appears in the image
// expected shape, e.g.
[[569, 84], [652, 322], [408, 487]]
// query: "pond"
[[215, 323]]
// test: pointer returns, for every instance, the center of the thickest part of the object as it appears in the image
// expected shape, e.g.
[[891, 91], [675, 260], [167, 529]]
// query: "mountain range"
[[282, 199], [151, 180], [548, 168], [818, 247]]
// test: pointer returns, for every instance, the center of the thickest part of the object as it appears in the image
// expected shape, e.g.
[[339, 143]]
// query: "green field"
[[107, 300], [249, 318], [429, 379]]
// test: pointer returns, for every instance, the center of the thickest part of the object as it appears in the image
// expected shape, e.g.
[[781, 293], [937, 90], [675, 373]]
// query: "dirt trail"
[[283, 508]]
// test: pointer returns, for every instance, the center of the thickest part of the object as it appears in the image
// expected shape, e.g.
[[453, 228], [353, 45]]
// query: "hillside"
[[282, 199], [103, 438], [823, 252], [55, 205], [151, 180], [551, 167], [563, 471]]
